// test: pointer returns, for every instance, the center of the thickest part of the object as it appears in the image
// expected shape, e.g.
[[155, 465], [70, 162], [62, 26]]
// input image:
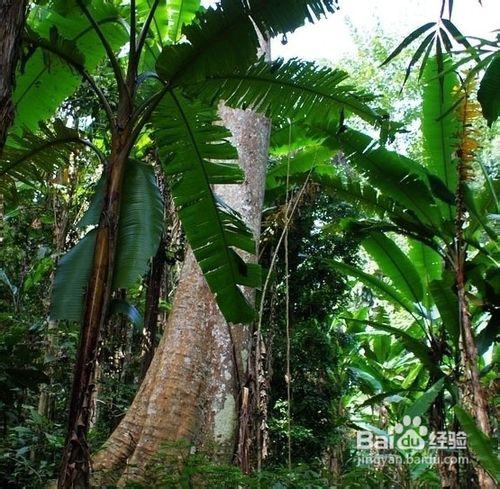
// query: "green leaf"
[[31, 157], [428, 264], [138, 240], [424, 402], [426, 44], [446, 301], [408, 40], [457, 35], [488, 94], [382, 342], [232, 23], [439, 132], [385, 290], [140, 225], [414, 345], [46, 80], [479, 443], [380, 398], [396, 265], [396, 176], [314, 157], [128, 310], [489, 334], [477, 214], [367, 378], [179, 14], [5, 279], [291, 89], [71, 280], [191, 147]]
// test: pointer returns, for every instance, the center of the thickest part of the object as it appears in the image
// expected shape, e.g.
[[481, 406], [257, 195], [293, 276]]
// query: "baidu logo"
[[410, 433]]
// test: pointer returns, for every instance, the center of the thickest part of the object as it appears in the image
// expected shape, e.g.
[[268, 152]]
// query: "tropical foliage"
[[377, 273]]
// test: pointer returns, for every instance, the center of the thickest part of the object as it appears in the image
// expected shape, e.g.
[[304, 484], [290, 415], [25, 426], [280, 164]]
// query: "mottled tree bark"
[[12, 13], [191, 389]]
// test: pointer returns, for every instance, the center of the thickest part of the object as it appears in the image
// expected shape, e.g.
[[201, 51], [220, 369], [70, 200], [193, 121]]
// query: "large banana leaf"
[[381, 342], [169, 18], [414, 345], [428, 264], [46, 80], [231, 23], [395, 265], [71, 280], [479, 443], [427, 261], [385, 290], [195, 154], [141, 224], [365, 196], [291, 89], [139, 232], [439, 124], [179, 14], [489, 334], [445, 298], [396, 176], [311, 158]]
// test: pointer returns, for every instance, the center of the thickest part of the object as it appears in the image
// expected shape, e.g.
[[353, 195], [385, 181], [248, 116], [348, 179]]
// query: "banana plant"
[[169, 62]]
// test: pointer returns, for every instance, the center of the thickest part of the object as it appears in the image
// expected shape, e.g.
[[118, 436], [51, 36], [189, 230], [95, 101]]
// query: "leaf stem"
[[122, 86], [145, 28]]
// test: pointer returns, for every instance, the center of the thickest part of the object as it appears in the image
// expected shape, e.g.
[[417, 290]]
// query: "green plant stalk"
[[75, 466]]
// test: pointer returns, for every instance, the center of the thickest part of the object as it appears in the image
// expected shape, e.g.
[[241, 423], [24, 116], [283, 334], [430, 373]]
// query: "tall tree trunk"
[[191, 389], [12, 13]]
